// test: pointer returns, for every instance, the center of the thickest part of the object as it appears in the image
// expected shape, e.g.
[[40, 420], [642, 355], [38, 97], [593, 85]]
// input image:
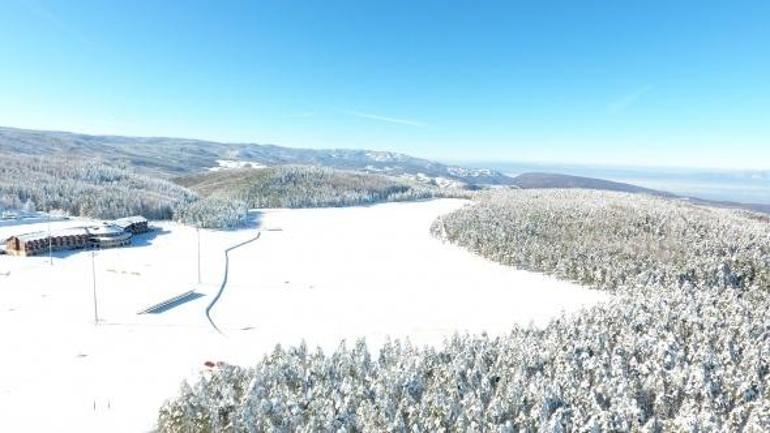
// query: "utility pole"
[[50, 247], [93, 275], [198, 231]]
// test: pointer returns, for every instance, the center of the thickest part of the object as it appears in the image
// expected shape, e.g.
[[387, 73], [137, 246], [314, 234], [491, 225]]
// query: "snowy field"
[[226, 164], [321, 275]]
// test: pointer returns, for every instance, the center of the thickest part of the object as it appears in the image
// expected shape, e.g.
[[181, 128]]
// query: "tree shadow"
[[137, 241], [253, 220], [172, 303], [145, 239]]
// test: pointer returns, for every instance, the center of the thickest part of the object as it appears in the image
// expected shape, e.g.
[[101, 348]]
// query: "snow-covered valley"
[[318, 275]]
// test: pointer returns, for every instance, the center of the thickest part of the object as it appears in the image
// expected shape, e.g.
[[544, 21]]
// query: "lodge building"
[[134, 224], [109, 236], [117, 233], [30, 244]]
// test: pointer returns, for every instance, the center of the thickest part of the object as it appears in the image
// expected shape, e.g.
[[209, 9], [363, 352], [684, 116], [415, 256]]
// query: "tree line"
[[85, 188], [298, 186]]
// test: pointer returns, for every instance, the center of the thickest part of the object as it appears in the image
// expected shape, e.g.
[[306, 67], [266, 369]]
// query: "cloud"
[[387, 119], [628, 100]]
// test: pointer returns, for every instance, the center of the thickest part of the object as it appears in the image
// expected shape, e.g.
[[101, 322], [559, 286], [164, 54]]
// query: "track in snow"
[[224, 280]]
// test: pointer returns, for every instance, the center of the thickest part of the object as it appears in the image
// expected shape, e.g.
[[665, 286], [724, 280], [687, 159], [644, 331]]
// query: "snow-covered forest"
[[683, 346], [98, 190], [295, 186], [212, 213], [615, 240], [85, 188]]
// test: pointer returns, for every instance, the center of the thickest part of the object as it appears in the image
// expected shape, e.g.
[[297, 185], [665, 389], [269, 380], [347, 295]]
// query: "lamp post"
[[93, 275], [50, 246], [198, 232]]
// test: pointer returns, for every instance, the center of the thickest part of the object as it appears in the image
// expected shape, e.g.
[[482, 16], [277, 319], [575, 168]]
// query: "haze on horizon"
[[651, 84]]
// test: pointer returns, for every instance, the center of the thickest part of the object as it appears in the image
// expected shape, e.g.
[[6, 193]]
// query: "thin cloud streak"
[[628, 100], [387, 119]]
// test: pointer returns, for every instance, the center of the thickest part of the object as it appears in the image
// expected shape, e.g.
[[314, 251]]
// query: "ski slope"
[[318, 275]]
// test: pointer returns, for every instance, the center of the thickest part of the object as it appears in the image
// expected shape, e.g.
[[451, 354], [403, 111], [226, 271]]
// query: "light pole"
[[93, 275], [198, 232], [50, 247]]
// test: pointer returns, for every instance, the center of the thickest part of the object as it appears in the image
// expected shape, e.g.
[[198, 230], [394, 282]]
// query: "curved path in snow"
[[224, 279]]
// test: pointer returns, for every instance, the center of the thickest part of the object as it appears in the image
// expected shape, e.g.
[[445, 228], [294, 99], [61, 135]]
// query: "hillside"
[[170, 157], [85, 188], [682, 347], [554, 180], [612, 240], [537, 180], [307, 186]]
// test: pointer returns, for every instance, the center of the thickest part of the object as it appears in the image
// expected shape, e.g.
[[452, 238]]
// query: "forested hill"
[[94, 189], [169, 157], [555, 180], [85, 188], [308, 186]]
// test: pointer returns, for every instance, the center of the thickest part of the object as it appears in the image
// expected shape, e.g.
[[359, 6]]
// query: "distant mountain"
[[174, 157], [755, 207], [170, 157], [554, 180], [744, 186]]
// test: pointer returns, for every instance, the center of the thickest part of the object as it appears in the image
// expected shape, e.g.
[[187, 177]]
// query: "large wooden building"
[[117, 233], [31, 244]]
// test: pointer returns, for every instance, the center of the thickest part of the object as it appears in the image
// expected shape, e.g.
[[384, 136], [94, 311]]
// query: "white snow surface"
[[321, 275], [229, 164]]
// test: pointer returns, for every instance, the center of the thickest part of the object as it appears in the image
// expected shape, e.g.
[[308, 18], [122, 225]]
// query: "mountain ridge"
[[171, 157], [544, 180]]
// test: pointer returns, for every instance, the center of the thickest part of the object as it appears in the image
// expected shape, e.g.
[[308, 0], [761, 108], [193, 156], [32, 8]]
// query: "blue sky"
[[674, 83]]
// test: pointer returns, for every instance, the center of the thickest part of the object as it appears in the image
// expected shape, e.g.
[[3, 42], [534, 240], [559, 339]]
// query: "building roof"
[[127, 221], [110, 235], [106, 230], [114, 228], [36, 236]]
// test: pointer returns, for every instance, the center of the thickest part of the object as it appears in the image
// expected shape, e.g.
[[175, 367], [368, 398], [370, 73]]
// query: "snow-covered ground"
[[228, 164], [321, 275], [15, 217]]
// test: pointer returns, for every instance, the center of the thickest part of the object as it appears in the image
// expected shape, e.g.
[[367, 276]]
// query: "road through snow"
[[224, 279]]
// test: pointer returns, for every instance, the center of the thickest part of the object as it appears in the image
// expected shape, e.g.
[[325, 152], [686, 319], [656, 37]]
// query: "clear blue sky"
[[670, 82]]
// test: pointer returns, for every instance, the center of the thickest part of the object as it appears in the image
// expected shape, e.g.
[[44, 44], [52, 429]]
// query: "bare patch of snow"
[[18, 217], [468, 172], [227, 164], [384, 156], [441, 182]]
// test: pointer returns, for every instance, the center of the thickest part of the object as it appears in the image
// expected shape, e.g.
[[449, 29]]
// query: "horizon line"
[[436, 158]]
